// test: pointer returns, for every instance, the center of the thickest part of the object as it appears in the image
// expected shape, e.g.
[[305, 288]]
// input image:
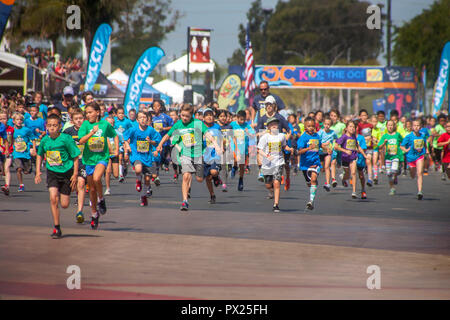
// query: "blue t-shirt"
[[325, 137], [162, 121], [417, 145], [11, 123], [22, 139], [309, 158], [361, 163], [35, 124], [122, 125], [2, 131], [209, 155], [141, 149], [243, 139], [43, 109]]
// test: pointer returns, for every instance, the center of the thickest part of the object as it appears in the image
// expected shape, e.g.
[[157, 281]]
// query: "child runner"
[[227, 134], [139, 140], [327, 139], [24, 148], [94, 133], [361, 165], [62, 168], [349, 147], [35, 124], [444, 142], [113, 162], [309, 145], [439, 129], [365, 129], [376, 137], [415, 147], [122, 124], [175, 164], [338, 127], [270, 147], [162, 123], [392, 141], [6, 148], [77, 119]]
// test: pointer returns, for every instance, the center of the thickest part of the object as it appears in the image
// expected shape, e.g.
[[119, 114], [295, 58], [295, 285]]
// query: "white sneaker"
[[107, 192]]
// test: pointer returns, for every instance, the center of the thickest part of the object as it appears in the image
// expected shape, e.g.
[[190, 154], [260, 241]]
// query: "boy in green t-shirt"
[[436, 132], [60, 150], [392, 140]]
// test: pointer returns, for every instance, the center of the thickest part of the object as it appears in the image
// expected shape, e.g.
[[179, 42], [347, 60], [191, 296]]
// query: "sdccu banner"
[[325, 77]]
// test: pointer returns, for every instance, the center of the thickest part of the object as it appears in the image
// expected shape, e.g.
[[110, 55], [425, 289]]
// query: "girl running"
[[6, 150], [327, 139]]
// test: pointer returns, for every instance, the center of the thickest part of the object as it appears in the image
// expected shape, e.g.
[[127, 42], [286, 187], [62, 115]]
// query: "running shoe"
[[425, 173], [5, 190], [369, 182], [443, 178], [101, 207], [392, 192], [241, 184], [310, 205], [354, 196], [270, 195], [157, 182], [224, 188], [327, 187], [420, 195], [57, 234], [212, 200], [94, 222], [233, 172], [334, 183], [80, 217], [107, 192], [260, 176], [395, 180], [276, 209], [375, 181], [363, 195], [144, 202], [166, 168], [125, 171], [21, 188], [138, 185], [175, 178], [121, 179], [149, 192], [344, 183], [288, 184], [184, 206]]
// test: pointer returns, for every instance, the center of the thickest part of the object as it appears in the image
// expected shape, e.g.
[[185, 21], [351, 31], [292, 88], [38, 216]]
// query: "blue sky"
[[224, 16]]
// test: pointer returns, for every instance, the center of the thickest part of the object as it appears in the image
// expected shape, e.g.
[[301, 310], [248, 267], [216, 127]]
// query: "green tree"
[[421, 40]]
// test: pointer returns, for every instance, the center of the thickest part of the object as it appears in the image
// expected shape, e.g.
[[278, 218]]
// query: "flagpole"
[[188, 53]]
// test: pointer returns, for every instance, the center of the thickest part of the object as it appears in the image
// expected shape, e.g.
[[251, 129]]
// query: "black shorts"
[[212, 166], [275, 174], [60, 181], [146, 170], [114, 159], [322, 156], [346, 164], [81, 170], [24, 164], [307, 173]]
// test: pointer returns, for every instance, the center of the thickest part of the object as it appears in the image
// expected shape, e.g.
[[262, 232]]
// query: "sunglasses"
[[263, 89]]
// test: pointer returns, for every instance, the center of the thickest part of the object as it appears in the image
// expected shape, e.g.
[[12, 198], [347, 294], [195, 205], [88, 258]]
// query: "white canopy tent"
[[175, 91], [180, 65]]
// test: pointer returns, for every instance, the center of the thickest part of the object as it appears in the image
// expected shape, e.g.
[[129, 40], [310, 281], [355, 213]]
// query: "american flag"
[[248, 73]]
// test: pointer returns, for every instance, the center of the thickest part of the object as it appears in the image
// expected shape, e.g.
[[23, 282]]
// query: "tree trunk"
[[356, 103], [341, 101]]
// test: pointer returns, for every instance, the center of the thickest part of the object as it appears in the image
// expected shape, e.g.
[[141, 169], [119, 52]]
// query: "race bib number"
[[274, 147], [314, 142], [418, 144], [54, 158], [112, 147], [188, 139], [143, 146], [158, 126], [392, 150], [351, 145], [96, 144], [20, 146]]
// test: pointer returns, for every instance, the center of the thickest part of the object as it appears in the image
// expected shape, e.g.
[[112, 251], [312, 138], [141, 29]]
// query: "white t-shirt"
[[272, 145]]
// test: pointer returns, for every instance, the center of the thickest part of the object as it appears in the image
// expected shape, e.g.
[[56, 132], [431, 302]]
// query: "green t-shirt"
[[96, 148], [439, 129], [189, 137], [338, 127], [393, 143], [59, 152], [382, 126]]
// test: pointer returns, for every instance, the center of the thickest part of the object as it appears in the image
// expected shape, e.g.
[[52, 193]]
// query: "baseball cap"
[[272, 119], [68, 91], [208, 109], [270, 99]]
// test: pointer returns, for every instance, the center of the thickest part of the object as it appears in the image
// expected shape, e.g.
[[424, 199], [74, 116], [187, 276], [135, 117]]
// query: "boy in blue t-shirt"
[[361, 164]]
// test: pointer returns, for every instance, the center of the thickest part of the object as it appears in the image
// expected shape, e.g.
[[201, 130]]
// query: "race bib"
[[158, 126], [20, 146], [314, 142], [274, 147], [188, 139], [96, 144], [112, 147], [209, 143], [54, 158], [239, 134], [351, 144], [143, 146], [418, 144], [392, 149]]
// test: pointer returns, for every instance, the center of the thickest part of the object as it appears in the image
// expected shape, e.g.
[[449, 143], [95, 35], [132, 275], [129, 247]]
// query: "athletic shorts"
[[90, 169], [24, 164], [287, 157], [114, 159], [393, 167], [146, 170], [208, 167], [414, 163], [323, 156], [81, 169], [188, 166], [369, 151], [346, 164], [337, 155], [272, 174], [307, 173], [61, 181]]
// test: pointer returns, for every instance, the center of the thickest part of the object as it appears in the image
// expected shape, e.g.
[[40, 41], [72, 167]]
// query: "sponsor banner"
[[378, 105], [332, 77], [199, 40], [142, 69], [442, 80], [401, 100], [98, 50], [230, 93]]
